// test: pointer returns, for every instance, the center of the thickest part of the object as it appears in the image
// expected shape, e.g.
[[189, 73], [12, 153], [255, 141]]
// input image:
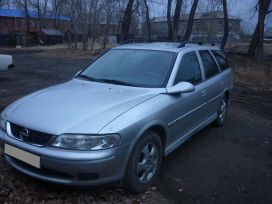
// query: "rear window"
[[209, 65], [221, 59]]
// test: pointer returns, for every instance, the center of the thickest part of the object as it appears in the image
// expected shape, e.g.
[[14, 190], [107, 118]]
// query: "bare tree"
[[41, 6], [25, 5], [190, 21], [58, 7], [169, 20], [147, 19], [39, 14], [226, 24], [127, 21], [109, 12], [176, 19], [256, 43]]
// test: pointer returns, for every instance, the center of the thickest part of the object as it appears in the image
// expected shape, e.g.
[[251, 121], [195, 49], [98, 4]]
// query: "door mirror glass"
[[182, 87]]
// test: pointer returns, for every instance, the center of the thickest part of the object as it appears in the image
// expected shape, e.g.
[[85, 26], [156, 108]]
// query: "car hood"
[[76, 106]]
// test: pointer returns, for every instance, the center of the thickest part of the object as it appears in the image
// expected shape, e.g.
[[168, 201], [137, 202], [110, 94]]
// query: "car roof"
[[165, 46]]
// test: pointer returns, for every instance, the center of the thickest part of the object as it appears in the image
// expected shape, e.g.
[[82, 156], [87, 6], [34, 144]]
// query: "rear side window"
[[221, 59], [189, 69], [210, 67]]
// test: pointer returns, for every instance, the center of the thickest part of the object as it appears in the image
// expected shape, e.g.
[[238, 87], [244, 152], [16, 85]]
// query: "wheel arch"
[[155, 126], [227, 94]]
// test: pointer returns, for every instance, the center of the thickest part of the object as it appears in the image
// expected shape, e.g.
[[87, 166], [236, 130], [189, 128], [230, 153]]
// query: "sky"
[[244, 9]]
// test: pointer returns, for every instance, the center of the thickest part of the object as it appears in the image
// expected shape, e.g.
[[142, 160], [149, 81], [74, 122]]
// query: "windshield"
[[142, 68]]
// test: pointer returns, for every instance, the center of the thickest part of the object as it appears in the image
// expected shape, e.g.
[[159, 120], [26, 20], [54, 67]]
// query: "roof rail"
[[183, 44], [145, 41]]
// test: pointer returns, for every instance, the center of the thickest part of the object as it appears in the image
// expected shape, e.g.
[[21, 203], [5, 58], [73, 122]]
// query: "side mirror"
[[77, 73], [182, 87]]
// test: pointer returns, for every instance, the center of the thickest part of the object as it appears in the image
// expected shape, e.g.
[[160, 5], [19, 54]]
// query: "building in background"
[[14, 20], [207, 26]]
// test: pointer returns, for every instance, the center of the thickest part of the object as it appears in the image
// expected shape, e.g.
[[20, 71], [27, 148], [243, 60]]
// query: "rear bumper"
[[72, 167]]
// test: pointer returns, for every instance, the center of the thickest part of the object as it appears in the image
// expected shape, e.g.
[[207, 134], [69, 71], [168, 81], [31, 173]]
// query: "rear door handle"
[[221, 83], [204, 93]]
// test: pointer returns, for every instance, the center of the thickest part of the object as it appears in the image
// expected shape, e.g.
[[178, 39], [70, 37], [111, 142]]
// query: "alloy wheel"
[[222, 110], [147, 162]]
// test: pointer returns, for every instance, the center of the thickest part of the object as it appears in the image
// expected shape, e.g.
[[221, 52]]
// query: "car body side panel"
[[188, 111], [214, 92], [133, 123]]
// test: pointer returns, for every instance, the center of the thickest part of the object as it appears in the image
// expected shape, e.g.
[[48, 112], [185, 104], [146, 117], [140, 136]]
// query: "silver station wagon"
[[117, 118]]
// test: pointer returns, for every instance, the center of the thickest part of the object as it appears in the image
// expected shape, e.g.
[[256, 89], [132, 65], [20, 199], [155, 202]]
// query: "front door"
[[187, 108]]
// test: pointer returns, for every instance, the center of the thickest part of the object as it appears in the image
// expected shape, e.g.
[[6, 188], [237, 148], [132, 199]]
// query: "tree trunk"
[[39, 15], [69, 39], [226, 25], [85, 38], [147, 18], [76, 39], [169, 20], [127, 21], [27, 16], [190, 21], [176, 19], [256, 43]]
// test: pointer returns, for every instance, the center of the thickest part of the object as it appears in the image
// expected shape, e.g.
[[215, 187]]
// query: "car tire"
[[222, 112], [144, 163]]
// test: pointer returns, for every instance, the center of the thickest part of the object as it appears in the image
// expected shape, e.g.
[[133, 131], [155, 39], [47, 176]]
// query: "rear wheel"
[[222, 112], [144, 163]]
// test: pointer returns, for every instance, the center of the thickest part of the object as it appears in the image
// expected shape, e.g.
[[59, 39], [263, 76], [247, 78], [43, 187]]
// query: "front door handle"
[[204, 93]]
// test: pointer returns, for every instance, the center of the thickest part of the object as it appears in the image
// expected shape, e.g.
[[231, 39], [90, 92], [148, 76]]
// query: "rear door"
[[212, 85], [226, 73]]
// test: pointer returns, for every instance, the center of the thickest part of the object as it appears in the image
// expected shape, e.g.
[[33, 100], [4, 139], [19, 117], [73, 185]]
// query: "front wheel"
[[144, 163], [222, 112]]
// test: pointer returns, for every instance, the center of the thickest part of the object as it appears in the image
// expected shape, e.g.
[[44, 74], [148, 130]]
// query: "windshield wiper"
[[115, 81], [111, 81], [86, 77]]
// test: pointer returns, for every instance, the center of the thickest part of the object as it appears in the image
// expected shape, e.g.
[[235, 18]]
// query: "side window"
[[210, 67], [221, 59], [189, 69]]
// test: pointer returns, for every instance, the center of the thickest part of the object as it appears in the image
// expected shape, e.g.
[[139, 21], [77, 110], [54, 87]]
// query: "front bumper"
[[69, 166]]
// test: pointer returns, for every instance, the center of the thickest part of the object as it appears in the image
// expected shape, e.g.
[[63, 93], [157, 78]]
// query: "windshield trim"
[[171, 66]]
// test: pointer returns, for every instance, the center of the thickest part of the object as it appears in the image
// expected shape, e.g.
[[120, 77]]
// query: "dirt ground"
[[230, 164]]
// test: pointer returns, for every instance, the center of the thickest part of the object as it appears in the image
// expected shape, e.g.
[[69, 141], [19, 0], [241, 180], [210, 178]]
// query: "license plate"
[[22, 155]]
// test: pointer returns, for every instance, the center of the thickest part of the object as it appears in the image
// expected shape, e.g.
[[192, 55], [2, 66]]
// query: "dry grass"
[[243, 47], [68, 53], [254, 74], [62, 51]]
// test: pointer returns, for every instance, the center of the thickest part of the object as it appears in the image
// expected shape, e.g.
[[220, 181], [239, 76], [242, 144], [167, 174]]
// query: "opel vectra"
[[118, 117]]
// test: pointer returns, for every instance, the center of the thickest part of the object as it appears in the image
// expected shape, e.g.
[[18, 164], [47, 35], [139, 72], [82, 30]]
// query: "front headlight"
[[3, 120], [86, 142]]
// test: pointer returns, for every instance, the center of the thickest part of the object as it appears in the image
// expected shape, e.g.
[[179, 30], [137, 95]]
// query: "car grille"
[[28, 135]]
